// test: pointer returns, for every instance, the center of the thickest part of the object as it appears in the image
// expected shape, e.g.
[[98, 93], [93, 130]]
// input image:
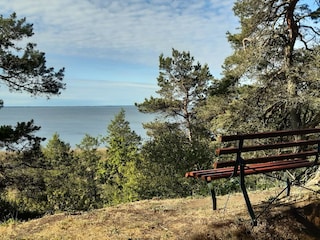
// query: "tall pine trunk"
[[293, 31]]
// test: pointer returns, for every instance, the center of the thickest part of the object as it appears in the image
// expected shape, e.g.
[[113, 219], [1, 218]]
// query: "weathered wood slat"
[[255, 169], [285, 156], [230, 150], [282, 133], [224, 172]]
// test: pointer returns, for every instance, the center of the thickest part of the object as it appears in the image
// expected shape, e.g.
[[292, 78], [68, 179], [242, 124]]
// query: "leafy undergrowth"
[[294, 217]]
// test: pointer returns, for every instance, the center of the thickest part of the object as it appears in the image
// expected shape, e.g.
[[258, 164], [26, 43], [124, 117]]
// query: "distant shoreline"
[[73, 123]]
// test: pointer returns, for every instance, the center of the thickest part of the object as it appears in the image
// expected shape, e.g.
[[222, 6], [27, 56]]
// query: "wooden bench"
[[262, 153]]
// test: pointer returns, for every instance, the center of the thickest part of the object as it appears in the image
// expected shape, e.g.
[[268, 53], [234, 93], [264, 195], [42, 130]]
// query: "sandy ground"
[[294, 217]]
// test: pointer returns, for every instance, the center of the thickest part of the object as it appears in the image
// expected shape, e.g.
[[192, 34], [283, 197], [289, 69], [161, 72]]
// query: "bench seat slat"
[[231, 150], [227, 172], [258, 168]]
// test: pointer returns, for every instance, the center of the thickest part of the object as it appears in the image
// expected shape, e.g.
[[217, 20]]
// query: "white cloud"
[[115, 29], [126, 32]]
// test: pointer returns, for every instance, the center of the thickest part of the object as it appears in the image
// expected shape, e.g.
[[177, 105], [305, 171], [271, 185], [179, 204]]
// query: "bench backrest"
[[303, 143]]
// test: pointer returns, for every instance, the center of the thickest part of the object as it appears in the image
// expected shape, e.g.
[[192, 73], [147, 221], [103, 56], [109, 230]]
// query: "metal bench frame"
[[242, 167]]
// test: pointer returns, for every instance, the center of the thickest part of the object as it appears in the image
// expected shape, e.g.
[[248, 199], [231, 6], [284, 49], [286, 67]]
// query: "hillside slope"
[[294, 217]]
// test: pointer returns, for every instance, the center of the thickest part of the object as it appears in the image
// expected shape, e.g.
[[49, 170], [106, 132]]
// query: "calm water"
[[72, 123]]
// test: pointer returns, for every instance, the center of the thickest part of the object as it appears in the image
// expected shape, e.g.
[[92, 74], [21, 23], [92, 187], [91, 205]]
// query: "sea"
[[73, 122]]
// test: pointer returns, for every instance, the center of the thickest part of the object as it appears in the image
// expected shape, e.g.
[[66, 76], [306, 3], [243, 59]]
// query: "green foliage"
[[271, 81], [180, 137], [183, 86], [22, 185], [61, 184], [167, 157], [20, 137], [24, 68], [57, 153], [87, 172], [71, 176], [121, 174]]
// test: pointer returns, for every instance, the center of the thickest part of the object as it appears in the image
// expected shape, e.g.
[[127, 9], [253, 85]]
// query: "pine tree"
[[121, 173], [272, 78], [184, 86]]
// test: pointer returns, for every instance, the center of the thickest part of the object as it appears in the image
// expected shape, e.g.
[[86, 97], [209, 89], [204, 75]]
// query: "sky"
[[110, 48]]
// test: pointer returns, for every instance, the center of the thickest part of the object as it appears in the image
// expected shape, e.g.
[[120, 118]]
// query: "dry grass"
[[295, 217]]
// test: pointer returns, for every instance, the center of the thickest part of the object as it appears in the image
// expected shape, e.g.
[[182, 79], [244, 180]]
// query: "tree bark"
[[293, 32]]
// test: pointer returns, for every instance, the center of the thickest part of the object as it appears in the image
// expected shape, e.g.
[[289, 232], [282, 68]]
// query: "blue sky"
[[111, 48]]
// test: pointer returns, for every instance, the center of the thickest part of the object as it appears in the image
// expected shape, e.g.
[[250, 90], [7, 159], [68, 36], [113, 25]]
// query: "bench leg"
[[213, 195], [288, 187], [246, 197]]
